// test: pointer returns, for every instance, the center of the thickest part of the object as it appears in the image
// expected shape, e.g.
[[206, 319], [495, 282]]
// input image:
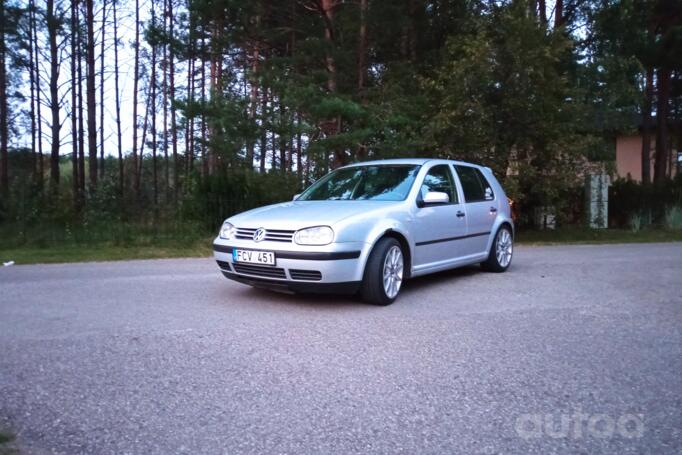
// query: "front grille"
[[224, 265], [259, 270], [305, 275], [273, 235]]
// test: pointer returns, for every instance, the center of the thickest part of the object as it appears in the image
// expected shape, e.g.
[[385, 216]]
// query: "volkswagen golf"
[[367, 227]]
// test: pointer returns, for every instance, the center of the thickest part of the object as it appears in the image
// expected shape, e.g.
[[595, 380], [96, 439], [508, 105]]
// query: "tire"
[[501, 251], [373, 288]]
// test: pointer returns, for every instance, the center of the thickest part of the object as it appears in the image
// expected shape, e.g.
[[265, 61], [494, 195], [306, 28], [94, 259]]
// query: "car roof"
[[414, 161]]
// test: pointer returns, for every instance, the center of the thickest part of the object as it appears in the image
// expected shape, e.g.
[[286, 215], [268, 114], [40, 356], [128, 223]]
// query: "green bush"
[[673, 217], [212, 199], [651, 203]]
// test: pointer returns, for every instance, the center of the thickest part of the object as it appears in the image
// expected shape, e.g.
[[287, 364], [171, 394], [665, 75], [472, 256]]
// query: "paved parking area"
[[575, 349]]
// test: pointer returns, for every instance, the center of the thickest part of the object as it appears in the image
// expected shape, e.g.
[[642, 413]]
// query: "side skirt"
[[450, 264]]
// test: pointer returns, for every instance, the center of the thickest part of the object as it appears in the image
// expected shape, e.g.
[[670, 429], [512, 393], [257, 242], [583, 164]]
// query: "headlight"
[[318, 235], [227, 231]]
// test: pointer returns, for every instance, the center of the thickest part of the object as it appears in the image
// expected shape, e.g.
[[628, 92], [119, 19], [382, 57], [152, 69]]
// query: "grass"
[[576, 235], [53, 244], [6, 437], [104, 252], [7, 446]]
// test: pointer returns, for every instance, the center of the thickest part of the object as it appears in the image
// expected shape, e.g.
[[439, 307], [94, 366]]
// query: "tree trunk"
[[558, 14], [265, 95], [273, 137], [662, 113], [174, 129], [253, 98], [299, 161], [74, 108], [216, 89], [646, 126], [412, 31], [290, 143], [90, 93], [328, 16], [542, 7], [189, 126], [264, 130], [306, 176], [152, 102], [101, 93], [164, 67], [213, 91], [31, 70], [145, 126], [81, 117], [282, 138], [34, 28], [136, 76], [334, 125], [362, 63], [408, 35], [362, 48], [4, 129], [204, 148], [52, 29], [121, 183]]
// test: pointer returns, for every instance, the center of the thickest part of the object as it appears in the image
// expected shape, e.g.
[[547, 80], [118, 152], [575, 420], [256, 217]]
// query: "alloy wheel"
[[504, 248], [393, 271]]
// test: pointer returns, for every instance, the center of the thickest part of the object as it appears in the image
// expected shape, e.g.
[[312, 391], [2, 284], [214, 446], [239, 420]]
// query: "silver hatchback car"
[[368, 227]]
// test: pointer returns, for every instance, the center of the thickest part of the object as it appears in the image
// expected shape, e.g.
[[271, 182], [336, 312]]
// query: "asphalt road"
[[574, 349]]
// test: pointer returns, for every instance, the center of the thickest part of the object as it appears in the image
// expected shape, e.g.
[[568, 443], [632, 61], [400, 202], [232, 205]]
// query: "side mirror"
[[435, 198], [296, 196]]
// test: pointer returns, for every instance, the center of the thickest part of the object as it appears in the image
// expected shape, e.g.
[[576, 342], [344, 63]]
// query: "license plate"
[[254, 257]]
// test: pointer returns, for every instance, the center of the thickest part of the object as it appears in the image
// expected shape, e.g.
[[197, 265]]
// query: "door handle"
[[460, 214], [493, 210]]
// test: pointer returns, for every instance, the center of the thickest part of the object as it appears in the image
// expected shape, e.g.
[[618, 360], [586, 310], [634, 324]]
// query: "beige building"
[[629, 156]]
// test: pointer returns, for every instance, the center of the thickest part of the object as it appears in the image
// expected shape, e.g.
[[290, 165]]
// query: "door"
[[438, 227], [480, 206]]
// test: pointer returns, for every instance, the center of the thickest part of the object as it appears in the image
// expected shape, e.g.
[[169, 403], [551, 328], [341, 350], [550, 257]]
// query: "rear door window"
[[474, 184]]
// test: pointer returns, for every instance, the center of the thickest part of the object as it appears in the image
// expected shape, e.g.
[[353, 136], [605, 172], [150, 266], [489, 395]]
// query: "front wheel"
[[501, 251], [383, 273]]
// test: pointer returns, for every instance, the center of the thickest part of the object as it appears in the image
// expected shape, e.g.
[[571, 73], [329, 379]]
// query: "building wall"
[[629, 157]]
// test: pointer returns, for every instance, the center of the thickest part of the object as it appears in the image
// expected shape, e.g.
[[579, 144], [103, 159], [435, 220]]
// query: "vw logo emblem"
[[259, 235]]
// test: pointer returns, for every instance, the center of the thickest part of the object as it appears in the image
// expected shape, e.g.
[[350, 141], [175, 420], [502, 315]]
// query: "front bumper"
[[349, 287], [334, 268]]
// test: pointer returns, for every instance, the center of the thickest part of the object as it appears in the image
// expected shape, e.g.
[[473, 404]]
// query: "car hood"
[[299, 214]]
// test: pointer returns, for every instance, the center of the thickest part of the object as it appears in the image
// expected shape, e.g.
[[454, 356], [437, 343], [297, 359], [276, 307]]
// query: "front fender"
[[369, 230]]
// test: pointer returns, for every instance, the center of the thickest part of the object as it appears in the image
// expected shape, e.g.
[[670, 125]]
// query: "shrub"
[[628, 199], [214, 198], [673, 217], [635, 222]]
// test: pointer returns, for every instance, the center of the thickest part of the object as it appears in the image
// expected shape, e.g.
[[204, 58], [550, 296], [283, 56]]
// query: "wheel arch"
[[507, 224], [499, 224], [404, 244]]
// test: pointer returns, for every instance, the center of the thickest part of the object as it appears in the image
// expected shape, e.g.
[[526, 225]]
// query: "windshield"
[[375, 183]]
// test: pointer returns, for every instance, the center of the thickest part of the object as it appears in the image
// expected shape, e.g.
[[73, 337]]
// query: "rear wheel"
[[501, 251], [383, 273]]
